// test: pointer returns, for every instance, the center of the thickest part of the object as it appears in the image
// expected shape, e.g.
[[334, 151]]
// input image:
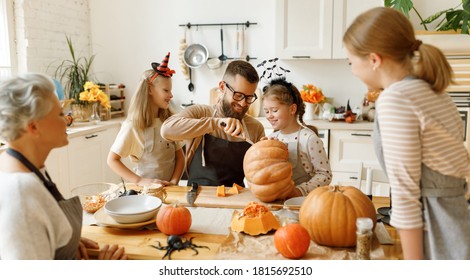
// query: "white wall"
[[128, 37], [40, 28]]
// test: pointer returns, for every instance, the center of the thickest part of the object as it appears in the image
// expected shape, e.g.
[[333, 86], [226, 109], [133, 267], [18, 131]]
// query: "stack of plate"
[[133, 208]]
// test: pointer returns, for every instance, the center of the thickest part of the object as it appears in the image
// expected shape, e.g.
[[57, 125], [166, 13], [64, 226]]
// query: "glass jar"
[[364, 238], [95, 114]]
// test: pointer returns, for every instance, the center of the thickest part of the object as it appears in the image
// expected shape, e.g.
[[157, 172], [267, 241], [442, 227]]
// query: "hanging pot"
[[195, 55]]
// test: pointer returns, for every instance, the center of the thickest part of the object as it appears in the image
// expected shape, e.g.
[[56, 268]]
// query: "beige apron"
[[158, 158]]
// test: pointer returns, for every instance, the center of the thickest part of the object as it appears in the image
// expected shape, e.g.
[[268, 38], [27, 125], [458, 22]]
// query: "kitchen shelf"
[[117, 105]]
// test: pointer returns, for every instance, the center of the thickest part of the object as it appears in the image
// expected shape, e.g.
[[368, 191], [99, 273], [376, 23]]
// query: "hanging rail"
[[247, 24]]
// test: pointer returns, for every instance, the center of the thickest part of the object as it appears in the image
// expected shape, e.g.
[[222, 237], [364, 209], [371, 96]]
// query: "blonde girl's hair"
[[390, 34], [286, 93], [140, 111]]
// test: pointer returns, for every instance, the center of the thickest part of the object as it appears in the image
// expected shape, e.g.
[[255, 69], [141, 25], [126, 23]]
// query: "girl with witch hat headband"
[[158, 161]]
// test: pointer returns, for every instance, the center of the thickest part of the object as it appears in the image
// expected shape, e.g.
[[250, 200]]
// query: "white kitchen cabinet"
[[325, 22], [351, 152], [87, 158]]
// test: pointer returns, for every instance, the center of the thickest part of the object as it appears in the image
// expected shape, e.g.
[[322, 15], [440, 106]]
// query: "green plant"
[[457, 18], [74, 73]]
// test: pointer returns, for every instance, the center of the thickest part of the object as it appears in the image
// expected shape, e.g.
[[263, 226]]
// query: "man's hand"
[[232, 127]]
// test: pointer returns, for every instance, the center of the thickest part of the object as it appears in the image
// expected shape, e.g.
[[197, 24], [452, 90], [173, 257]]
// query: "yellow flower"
[[312, 94], [93, 93]]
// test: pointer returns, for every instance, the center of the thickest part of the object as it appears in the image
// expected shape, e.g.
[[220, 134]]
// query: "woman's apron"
[[299, 175], [158, 158], [218, 162], [445, 211], [71, 208]]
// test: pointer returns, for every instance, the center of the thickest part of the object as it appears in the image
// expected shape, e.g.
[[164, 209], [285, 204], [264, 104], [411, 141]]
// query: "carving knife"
[[192, 194], [223, 124]]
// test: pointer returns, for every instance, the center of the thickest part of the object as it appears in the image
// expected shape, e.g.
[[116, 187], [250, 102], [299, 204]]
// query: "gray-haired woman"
[[36, 222]]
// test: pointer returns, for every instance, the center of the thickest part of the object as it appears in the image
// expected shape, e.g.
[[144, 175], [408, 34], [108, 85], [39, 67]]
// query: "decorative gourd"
[[255, 219], [329, 214], [173, 219], [292, 241], [268, 171]]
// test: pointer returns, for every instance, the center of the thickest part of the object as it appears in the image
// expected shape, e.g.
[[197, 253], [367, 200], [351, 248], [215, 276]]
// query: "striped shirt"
[[417, 127]]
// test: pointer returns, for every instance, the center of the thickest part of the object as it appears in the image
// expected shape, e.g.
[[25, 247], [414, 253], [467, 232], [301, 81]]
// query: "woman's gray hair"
[[24, 98]]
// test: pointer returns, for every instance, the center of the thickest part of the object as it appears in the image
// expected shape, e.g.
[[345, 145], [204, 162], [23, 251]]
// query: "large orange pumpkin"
[[329, 214], [173, 219], [292, 241], [268, 171]]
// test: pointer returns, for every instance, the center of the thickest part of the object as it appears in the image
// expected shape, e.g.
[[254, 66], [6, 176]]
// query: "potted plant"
[[74, 73], [456, 18]]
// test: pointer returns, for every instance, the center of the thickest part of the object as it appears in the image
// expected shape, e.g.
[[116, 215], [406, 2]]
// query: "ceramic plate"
[[104, 219], [295, 201]]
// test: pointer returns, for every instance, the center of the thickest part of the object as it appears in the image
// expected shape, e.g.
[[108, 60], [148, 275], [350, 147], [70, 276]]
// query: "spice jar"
[[364, 238]]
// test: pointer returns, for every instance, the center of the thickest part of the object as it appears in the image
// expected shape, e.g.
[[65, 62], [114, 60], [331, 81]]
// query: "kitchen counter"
[[211, 228], [335, 125], [78, 129]]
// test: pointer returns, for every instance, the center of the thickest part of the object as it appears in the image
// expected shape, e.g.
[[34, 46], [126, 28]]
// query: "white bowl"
[[133, 208], [132, 205], [134, 218], [295, 201], [93, 196]]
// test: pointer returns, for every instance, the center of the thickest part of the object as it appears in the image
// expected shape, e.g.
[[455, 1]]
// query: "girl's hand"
[[149, 181], [85, 244]]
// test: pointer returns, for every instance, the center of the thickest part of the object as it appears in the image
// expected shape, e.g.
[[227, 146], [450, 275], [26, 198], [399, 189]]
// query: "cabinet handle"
[[91, 136], [361, 134], [353, 177], [300, 56]]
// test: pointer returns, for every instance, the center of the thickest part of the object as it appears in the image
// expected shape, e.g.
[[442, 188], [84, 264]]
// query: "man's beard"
[[229, 113]]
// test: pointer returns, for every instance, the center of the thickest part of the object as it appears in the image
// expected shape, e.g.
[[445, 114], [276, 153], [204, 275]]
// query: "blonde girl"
[[157, 160], [418, 134]]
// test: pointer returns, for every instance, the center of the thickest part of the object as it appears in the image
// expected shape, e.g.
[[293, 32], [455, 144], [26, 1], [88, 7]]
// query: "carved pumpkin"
[[292, 241], [173, 219], [255, 219], [268, 171], [329, 214]]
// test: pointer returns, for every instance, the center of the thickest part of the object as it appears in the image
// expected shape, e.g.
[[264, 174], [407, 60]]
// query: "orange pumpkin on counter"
[[255, 219], [329, 214], [173, 219], [292, 241], [268, 171]]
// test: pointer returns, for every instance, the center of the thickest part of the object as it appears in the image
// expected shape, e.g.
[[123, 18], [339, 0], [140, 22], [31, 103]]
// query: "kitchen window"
[[6, 39]]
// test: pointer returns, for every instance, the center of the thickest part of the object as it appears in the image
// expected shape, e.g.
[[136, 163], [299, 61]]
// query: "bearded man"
[[216, 136]]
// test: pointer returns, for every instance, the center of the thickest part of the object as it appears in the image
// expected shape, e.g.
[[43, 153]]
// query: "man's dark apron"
[[445, 211], [71, 208], [217, 162]]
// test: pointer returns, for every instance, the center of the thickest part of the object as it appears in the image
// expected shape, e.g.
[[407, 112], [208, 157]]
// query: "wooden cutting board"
[[207, 197]]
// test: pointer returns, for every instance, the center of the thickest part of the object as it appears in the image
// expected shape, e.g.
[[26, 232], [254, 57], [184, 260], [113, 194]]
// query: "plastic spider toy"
[[177, 243]]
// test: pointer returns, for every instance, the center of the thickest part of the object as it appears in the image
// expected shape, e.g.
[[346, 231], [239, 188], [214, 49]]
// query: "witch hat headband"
[[162, 69]]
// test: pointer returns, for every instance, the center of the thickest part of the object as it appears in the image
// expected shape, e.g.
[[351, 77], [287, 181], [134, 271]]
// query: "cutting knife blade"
[[223, 124], [192, 194]]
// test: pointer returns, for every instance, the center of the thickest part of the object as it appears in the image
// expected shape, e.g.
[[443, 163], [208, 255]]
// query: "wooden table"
[[137, 241]]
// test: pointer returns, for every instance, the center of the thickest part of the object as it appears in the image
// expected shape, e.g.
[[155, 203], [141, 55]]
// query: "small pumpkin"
[[329, 214], [173, 219], [255, 219], [292, 241], [268, 171]]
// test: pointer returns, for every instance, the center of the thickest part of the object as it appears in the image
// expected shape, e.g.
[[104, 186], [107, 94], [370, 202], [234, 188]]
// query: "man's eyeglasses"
[[238, 96]]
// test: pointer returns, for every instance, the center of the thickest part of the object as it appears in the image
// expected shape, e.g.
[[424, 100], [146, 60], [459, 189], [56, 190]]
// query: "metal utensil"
[[223, 124], [192, 194], [191, 85], [222, 57]]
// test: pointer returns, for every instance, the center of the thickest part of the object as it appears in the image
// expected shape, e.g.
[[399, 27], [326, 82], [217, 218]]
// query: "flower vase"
[[95, 114], [312, 111], [81, 112]]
